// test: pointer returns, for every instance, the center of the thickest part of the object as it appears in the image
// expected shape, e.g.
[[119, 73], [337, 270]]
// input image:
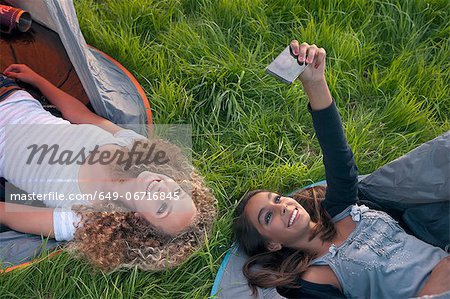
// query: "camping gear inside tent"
[[12, 18], [55, 48], [414, 189]]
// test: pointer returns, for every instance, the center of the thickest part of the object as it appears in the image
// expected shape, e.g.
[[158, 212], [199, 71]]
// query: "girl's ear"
[[274, 246]]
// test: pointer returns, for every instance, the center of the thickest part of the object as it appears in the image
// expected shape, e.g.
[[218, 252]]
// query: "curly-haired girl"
[[150, 208], [308, 245]]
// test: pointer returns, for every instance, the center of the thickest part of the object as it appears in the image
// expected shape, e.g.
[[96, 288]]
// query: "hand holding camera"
[[307, 63], [303, 61]]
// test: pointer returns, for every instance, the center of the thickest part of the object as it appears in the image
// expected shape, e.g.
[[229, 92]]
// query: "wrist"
[[313, 88], [318, 94], [39, 82], [319, 82]]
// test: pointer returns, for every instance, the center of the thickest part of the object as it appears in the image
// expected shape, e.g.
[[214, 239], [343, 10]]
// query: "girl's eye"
[[278, 199], [162, 208], [268, 217]]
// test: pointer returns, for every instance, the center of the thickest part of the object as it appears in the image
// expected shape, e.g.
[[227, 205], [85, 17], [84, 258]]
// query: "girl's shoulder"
[[321, 275]]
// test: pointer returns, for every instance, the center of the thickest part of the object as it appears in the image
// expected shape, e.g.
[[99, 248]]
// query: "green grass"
[[202, 62]]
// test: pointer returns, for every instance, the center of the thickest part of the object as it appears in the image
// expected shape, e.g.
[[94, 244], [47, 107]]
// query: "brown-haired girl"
[[333, 245]]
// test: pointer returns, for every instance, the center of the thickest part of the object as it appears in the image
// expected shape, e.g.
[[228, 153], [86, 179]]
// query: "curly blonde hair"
[[116, 237]]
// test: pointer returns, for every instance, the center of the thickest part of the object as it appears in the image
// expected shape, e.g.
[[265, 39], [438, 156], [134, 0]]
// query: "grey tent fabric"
[[416, 186], [17, 248], [105, 85], [116, 86], [420, 176]]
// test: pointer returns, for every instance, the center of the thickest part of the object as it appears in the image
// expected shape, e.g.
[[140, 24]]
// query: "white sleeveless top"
[[26, 127]]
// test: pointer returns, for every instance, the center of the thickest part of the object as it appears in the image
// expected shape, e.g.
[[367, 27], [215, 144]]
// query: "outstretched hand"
[[23, 73], [314, 57], [313, 77]]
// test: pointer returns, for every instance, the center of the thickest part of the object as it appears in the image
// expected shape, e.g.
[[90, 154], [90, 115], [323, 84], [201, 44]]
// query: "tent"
[[56, 49]]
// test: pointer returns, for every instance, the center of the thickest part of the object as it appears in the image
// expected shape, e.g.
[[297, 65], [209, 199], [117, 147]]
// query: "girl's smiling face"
[[281, 220]]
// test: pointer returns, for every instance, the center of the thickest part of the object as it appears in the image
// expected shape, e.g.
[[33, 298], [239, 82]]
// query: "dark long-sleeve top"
[[340, 168], [342, 186]]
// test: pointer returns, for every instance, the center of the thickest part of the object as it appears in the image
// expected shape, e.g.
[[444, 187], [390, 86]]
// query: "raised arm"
[[340, 168], [71, 108]]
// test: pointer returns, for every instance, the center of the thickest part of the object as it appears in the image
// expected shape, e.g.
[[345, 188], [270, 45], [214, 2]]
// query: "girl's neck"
[[343, 230], [315, 246]]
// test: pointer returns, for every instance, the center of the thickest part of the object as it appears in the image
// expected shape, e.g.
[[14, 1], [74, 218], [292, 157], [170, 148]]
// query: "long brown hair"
[[285, 266], [113, 237]]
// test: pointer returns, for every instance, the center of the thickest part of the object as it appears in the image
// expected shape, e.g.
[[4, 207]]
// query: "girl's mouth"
[[293, 218], [152, 183]]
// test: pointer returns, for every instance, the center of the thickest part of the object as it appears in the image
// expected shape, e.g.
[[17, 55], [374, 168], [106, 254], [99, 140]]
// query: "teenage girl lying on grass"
[[338, 246], [157, 229]]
